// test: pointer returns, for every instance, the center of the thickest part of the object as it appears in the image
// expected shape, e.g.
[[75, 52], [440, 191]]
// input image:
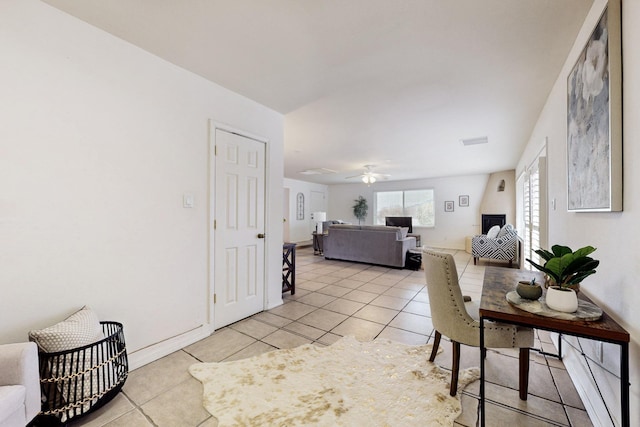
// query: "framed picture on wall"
[[448, 206], [594, 120], [463, 201]]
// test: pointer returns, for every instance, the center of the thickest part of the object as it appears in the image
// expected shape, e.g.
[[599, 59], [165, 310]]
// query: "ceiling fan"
[[369, 176]]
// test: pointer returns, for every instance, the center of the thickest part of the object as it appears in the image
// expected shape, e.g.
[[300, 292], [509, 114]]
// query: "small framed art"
[[448, 206], [463, 201]]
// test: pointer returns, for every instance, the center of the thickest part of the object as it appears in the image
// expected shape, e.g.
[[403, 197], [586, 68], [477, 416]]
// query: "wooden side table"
[[289, 268], [494, 306]]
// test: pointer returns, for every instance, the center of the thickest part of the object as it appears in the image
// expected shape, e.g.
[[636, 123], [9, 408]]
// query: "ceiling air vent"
[[475, 141]]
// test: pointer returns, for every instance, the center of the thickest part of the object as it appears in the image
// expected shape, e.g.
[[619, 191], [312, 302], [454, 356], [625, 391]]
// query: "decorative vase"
[[562, 299], [528, 291], [548, 282]]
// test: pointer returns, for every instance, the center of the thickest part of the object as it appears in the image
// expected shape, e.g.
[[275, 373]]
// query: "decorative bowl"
[[528, 291]]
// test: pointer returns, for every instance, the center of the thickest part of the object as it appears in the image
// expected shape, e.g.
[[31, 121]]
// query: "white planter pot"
[[564, 300]]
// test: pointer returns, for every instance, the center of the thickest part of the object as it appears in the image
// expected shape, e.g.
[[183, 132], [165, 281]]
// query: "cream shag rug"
[[350, 383]]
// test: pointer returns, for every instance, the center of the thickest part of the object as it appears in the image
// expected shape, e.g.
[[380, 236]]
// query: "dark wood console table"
[[289, 268], [494, 306]]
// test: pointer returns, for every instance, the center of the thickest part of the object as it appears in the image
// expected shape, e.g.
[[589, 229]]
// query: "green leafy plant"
[[564, 266], [360, 209]]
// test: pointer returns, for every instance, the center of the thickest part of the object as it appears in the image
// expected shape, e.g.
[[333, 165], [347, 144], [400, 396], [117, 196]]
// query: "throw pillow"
[[80, 329], [493, 232], [506, 230]]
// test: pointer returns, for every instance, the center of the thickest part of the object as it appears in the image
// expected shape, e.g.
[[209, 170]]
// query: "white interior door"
[[239, 266]]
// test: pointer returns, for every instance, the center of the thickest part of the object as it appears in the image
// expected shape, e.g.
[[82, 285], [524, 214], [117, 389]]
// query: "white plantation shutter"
[[534, 209]]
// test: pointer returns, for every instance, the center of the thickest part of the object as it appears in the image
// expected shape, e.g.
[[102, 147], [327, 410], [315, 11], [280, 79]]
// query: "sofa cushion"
[[80, 329], [493, 232], [12, 398]]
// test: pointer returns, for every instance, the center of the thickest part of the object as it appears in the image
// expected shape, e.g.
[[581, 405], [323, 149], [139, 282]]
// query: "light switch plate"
[[187, 200]]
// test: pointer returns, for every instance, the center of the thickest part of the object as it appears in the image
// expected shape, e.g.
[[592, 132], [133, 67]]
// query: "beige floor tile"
[[222, 344], [410, 284], [360, 296], [566, 388], [350, 283], [401, 293], [271, 319], [323, 319], [255, 349], [304, 330], [311, 285], [363, 330], [133, 418], [150, 380], [376, 314], [418, 307], [578, 417], [373, 288], [284, 339], [469, 415], [253, 328], [535, 406], [329, 338], [385, 280], [412, 323], [334, 290], [365, 276], [116, 408], [402, 336], [344, 306], [180, 406], [293, 310], [422, 296], [343, 273], [389, 302], [499, 416], [316, 299], [329, 280]]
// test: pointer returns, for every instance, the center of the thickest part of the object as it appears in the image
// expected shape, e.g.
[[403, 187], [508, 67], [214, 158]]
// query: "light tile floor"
[[337, 298]]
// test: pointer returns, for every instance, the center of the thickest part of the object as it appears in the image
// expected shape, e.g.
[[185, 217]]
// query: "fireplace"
[[489, 221]]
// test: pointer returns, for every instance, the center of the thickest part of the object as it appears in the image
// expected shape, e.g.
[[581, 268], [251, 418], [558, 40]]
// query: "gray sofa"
[[372, 244]]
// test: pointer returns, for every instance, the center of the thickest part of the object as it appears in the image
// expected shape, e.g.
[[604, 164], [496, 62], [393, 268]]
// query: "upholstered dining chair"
[[460, 321]]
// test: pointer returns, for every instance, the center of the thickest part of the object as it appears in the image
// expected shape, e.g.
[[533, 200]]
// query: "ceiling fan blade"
[[354, 176]]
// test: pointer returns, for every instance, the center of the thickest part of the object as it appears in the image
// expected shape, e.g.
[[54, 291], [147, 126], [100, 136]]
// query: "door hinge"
[[215, 150], [214, 224], [214, 298]]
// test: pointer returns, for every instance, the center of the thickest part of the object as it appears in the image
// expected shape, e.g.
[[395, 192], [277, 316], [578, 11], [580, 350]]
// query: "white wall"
[[300, 230], [501, 202], [451, 227], [99, 141], [615, 286]]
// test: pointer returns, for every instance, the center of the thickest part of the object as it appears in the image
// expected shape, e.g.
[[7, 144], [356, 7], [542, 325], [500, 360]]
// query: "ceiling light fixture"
[[368, 179]]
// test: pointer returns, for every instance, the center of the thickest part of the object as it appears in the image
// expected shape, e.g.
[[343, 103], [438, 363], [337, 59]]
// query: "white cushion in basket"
[[80, 329], [493, 232]]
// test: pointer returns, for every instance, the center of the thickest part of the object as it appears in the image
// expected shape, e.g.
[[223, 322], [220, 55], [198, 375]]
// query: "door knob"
[[261, 236]]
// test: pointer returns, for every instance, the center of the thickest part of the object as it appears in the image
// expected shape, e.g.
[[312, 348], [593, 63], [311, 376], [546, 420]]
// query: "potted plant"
[[565, 270], [360, 209]]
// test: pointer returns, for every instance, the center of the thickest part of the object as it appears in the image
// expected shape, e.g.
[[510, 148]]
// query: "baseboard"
[[157, 351]]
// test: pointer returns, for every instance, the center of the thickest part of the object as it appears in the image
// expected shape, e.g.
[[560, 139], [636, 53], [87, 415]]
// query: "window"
[[533, 209], [417, 204]]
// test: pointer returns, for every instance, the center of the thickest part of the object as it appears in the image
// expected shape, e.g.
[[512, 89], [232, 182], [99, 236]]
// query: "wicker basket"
[[79, 381]]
